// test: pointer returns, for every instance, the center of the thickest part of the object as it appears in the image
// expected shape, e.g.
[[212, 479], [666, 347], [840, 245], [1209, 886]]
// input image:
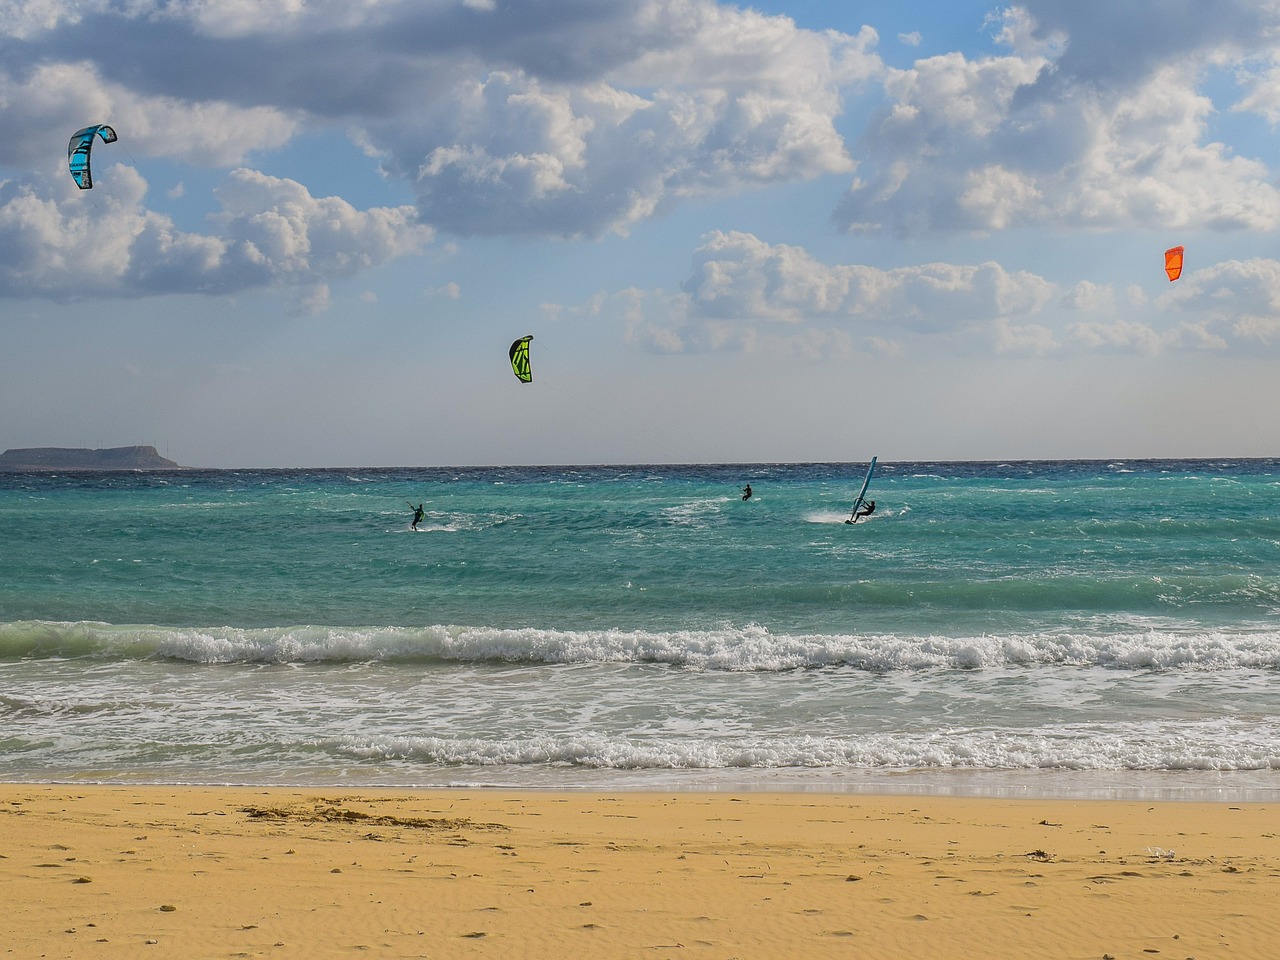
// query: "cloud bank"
[[272, 233], [581, 118], [743, 293], [1095, 119], [569, 118]]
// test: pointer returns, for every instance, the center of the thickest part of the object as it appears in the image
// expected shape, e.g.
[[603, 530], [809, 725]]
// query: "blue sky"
[[791, 231]]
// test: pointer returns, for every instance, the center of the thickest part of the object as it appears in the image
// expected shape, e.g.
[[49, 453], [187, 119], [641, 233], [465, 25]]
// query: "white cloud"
[[278, 224], [1234, 302], [1120, 335], [1090, 297], [932, 140], [31, 17], [272, 233], [737, 275], [449, 291], [1118, 46], [744, 291], [1054, 134], [55, 99], [709, 101], [582, 118], [1233, 305], [1025, 339], [563, 118]]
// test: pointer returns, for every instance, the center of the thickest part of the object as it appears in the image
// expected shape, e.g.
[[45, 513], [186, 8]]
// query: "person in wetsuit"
[[868, 507]]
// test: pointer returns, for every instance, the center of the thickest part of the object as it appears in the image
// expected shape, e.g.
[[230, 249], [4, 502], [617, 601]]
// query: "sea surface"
[[1021, 628]]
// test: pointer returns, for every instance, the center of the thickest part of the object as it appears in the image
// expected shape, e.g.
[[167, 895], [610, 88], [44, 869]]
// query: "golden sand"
[[176, 872]]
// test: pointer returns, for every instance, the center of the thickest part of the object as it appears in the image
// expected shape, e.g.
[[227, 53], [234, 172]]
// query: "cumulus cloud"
[[23, 20], [585, 117], [52, 100], [1117, 46], [271, 232], [572, 117], [717, 101], [1090, 297], [1237, 301], [743, 291], [1096, 119], [449, 291], [1120, 336], [1228, 306], [737, 275]]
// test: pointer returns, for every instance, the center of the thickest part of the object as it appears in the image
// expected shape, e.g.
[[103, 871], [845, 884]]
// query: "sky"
[[792, 231]]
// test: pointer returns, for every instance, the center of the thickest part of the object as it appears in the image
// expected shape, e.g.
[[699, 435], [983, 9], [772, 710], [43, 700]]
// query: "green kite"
[[520, 359]]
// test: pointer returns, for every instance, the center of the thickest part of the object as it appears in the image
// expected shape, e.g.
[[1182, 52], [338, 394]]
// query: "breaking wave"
[[747, 648]]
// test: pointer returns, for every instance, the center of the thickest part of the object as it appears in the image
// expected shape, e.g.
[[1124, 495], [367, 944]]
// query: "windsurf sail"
[[862, 494], [520, 359]]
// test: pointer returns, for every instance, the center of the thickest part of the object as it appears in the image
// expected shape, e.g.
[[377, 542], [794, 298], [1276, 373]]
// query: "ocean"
[[1019, 628]]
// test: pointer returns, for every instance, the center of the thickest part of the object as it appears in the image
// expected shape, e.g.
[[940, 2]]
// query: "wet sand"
[[147, 871]]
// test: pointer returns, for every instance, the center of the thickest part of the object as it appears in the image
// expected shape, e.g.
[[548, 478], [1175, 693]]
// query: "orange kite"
[[1173, 262]]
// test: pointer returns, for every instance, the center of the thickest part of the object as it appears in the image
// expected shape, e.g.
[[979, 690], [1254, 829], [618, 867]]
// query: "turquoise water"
[[1079, 626]]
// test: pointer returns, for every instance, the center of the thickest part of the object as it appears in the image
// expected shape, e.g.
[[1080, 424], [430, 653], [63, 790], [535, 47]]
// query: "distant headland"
[[74, 458]]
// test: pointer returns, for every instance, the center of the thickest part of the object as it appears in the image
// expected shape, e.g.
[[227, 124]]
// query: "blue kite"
[[78, 152]]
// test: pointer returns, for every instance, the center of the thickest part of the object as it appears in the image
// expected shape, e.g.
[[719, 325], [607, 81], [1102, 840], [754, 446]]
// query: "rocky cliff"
[[72, 458]]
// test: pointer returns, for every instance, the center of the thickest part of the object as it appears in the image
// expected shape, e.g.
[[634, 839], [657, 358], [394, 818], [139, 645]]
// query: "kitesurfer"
[[418, 514], [865, 510], [746, 492]]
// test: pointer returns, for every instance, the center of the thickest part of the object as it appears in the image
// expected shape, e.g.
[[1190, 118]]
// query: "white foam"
[[729, 648], [1208, 746]]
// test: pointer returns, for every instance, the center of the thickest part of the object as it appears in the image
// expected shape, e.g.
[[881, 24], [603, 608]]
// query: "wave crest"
[[747, 648]]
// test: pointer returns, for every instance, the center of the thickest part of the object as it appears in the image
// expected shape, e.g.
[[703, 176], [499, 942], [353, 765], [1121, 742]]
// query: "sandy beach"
[[123, 872]]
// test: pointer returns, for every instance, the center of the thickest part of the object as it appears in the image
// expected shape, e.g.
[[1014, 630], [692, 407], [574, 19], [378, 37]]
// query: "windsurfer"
[[865, 509]]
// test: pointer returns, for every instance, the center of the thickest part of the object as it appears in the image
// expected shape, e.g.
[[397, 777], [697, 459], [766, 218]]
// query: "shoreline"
[[108, 870], [1155, 786]]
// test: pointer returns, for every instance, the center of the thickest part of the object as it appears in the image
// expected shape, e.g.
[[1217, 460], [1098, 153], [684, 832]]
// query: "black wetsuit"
[[867, 508]]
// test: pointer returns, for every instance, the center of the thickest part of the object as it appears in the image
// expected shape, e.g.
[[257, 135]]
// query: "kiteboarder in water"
[[746, 492], [418, 514]]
